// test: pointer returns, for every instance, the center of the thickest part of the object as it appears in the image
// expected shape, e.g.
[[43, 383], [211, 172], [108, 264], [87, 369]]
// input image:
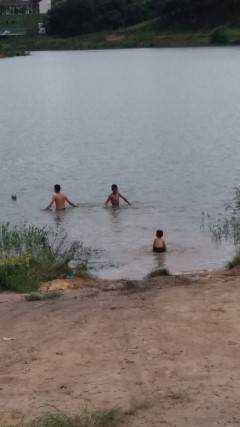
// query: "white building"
[[44, 6]]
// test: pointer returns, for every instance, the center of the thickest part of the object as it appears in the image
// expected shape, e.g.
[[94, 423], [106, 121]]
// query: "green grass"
[[20, 22], [42, 297], [31, 255], [159, 272], [99, 41], [98, 418]]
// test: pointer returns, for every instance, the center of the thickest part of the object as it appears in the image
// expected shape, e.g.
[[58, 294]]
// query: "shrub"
[[219, 36], [30, 255]]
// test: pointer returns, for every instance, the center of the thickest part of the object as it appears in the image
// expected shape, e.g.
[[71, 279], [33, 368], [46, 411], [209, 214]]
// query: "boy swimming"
[[159, 244], [59, 199], [115, 196]]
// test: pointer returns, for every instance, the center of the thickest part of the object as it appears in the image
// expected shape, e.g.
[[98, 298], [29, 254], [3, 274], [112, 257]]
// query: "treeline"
[[195, 14], [74, 17]]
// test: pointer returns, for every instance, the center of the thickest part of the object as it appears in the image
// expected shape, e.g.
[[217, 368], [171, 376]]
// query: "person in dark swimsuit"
[[159, 244]]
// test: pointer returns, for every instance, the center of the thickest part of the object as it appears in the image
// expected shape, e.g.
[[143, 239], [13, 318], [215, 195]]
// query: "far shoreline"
[[19, 45]]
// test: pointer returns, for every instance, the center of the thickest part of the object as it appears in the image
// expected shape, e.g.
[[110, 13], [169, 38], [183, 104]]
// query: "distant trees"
[[197, 13], [73, 17]]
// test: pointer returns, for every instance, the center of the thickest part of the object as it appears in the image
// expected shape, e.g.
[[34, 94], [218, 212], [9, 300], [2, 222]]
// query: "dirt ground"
[[169, 346]]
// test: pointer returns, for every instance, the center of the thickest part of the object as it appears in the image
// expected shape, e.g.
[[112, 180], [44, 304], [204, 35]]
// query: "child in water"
[[115, 196], [59, 199], [159, 244]]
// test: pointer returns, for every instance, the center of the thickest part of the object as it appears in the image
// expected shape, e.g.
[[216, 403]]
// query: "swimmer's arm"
[[50, 204], [71, 203], [124, 198], [107, 201], [164, 244]]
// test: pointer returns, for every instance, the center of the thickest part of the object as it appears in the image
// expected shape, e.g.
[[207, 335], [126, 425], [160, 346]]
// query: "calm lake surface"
[[161, 123]]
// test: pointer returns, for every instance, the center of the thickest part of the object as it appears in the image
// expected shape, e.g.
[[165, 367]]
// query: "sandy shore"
[[172, 342]]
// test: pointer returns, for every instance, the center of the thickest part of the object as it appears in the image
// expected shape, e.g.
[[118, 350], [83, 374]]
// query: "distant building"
[[11, 7], [44, 6]]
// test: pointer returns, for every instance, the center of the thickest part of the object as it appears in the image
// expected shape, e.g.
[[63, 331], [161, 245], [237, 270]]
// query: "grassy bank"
[[137, 38], [109, 41]]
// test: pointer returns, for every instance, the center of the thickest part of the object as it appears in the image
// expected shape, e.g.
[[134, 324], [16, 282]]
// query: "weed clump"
[[235, 262], [98, 418], [159, 272], [30, 255]]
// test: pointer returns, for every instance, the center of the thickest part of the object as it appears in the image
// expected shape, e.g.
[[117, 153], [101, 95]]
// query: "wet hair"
[[114, 187], [159, 233], [57, 188]]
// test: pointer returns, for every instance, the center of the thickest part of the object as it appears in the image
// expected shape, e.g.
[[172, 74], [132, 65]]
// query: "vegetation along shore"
[[80, 24]]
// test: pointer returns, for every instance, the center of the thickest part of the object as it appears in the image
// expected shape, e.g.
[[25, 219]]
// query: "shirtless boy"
[[59, 199], [115, 196], [159, 244]]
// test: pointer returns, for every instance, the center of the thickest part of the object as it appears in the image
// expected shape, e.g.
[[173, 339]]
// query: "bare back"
[[159, 242], [59, 200]]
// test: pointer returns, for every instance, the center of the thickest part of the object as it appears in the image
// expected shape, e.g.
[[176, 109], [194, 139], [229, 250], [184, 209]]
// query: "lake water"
[[161, 123]]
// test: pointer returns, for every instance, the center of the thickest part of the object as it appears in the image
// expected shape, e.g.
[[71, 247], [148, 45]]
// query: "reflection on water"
[[160, 259], [114, 214], [58, 217], [161, 123]]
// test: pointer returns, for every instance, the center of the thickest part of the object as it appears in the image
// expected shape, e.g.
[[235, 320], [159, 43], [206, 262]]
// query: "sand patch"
[[61, 284]]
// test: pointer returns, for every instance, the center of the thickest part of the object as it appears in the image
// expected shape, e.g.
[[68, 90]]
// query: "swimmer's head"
[[57, 188], [114, 188], [159, 233]]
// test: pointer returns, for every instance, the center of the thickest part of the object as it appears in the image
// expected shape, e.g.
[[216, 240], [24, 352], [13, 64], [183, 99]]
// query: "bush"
[[30, 255], [219, 36], [159, 272]]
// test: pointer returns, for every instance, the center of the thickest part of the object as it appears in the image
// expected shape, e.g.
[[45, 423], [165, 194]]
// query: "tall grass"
[[228, 227], [30, 255]]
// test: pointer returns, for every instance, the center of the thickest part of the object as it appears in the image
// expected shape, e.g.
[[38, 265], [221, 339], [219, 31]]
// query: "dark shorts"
[[159, 250]]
